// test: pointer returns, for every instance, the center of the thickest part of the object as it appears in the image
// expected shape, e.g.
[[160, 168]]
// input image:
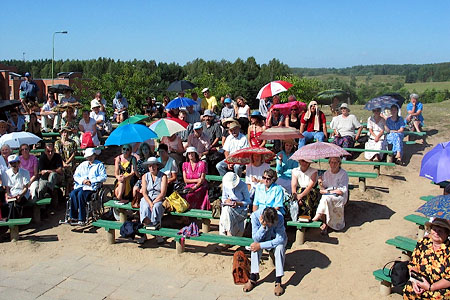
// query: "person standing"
[[264, 106], [198, 106], [29, 88], [209, 102]]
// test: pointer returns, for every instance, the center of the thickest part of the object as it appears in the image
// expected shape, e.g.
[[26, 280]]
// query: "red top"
[[310, 122]]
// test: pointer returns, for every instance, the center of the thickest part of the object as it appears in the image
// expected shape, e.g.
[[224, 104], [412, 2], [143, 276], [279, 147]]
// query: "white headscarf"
[[316, 118]]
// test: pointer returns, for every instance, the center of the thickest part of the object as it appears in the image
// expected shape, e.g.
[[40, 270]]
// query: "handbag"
[[399, 272], [216, 208], [86, 140], [136, 202], [178, 203]]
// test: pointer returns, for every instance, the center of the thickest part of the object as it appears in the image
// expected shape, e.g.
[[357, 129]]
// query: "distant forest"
[[413, 73]]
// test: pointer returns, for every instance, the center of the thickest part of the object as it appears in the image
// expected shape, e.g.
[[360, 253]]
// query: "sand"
[[336, 267]]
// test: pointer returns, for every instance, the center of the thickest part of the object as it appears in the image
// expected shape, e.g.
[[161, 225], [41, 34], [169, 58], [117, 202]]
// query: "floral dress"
[[66, 149], [433, 265]]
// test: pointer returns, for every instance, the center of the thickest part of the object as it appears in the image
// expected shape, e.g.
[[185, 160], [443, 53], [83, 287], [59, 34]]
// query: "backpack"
[[399, 272], [241, 268], [129, 229], [86, 140]]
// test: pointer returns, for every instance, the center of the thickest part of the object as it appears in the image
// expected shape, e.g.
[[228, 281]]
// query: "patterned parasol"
[[243, 156], [318, 150], [438, 207], [280, 133]]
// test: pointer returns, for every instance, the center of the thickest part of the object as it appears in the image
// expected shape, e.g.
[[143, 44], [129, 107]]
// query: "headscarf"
[[309, 113]]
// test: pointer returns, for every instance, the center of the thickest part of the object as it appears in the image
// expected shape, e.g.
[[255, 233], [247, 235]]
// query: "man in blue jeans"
[[313, 125], [268, 233]]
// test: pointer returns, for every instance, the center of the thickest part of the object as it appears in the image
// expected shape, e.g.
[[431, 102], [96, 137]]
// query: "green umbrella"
[[134, 119], [325, 97]]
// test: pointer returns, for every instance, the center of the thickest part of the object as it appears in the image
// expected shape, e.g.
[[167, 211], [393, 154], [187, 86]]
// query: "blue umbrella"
[[180, 102], [130, 133], [380, 102], [438, 207], [436, 163]]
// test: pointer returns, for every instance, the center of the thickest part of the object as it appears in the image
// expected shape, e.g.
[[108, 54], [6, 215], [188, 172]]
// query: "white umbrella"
[[15, 139]]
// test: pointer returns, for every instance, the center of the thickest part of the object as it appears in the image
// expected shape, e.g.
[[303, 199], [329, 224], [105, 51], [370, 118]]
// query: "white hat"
[[151, 161], [205, 90], [230, 180], [344, 105], [13, 158], [190, 149], [90, 152], [198, 125], [95, 103]]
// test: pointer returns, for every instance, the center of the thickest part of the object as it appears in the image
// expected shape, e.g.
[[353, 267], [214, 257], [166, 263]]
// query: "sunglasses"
[[266, 178], [294, 109]]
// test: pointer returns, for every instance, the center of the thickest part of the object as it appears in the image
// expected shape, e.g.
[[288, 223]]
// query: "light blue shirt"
[[395, 125], [95, 173], [272, 197], [419, 106], [284, 169], [239, 193], [268, 237]]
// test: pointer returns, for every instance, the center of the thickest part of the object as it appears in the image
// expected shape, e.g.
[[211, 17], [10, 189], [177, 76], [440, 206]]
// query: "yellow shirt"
[[209, 103]]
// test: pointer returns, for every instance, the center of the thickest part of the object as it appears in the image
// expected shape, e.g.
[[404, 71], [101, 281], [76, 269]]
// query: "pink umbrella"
[[319, 150], [280, 133], [285, 109], [243, 156], [273, 88]]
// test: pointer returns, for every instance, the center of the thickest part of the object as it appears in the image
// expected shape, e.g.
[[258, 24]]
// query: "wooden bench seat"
[[13, 225], [420, 221], [442, 184], [301, 229], [427, 198], [405, 244], [376, 164], [37, 208], [112, 226], [385, 280]]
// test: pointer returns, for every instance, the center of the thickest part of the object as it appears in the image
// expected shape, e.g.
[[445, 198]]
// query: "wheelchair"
[[94, 205]]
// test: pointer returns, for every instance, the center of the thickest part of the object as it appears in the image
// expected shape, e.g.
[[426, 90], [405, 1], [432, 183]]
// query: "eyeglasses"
[[266, 178]]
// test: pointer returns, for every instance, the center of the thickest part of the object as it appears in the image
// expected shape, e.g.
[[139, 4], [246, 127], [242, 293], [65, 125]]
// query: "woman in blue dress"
[[394, 128]]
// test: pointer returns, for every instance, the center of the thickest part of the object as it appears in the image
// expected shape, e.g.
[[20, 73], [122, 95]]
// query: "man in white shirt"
[[17, 180], [47, 115], [199, 140], [235, 141]]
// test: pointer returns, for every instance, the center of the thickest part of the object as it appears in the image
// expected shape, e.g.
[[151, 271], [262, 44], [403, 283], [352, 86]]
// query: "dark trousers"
[[78, 199]]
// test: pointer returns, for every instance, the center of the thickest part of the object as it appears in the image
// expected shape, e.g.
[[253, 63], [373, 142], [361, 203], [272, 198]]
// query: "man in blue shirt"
[[88, 177], [268, 233], [29, 88], [269, 194]]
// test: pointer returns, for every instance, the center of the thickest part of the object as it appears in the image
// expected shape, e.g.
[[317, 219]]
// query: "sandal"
[[249, 285], [323, 229], [279, 290]]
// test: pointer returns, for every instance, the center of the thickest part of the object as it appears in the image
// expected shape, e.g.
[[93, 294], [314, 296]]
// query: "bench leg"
[[36, 214], [14, 231], [300, 236], [362, 184], [179, 244], [385, 288], [205, 225], [420, 233], [111, 236], [377, 169], [122, 215]]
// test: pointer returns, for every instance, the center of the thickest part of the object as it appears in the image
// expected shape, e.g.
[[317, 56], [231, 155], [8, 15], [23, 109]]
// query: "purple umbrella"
[[436, 163], [318, 150]]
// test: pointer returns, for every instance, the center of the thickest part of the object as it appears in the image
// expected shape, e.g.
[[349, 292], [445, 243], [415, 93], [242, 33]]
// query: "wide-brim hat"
[[65, 128], [190, 150], [91, 151], [290, 141], [230, 180], [151, 161], [95, 104], [234, 125], [344, 105], [438, 222], [205, 90], [228, 120]]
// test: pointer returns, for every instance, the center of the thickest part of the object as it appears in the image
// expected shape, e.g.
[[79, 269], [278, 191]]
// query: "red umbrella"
[[243, 156], [273, 88], [179, 121], [280, 133]]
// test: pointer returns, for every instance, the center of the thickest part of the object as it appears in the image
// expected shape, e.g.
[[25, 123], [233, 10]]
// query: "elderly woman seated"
[[395, 127], [88, 177], [194, 176], [235, 202], [414, 119], [344, 127], [303, 187], [431, 263], [334, 189]]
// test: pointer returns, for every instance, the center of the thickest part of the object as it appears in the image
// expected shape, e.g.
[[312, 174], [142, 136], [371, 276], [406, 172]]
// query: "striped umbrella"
[[167, 127], [273, 88]]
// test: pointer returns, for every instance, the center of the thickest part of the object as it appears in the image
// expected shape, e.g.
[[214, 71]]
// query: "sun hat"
[[230, 180], [65, 128], [257, 114], [344, 105], [190, 150], [234, 125], [205, 90], [227, 100], [290, 141], [13, 158], [151, 161], [227, 120], [198, 125], [90, 152], [436, 222], [209, 113], [95, 103], [118, 95], [27, 74]]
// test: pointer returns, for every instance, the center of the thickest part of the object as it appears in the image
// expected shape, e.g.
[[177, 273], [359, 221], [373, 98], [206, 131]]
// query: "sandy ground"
[[336, 267]]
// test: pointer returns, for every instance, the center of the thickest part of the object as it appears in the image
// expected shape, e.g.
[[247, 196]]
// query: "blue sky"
[[299, 33]]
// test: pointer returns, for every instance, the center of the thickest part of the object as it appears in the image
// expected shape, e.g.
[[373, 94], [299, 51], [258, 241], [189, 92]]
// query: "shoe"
[[153, 226], [249, 285], [142, 240], [279, 290], [159, 240], [81, 223]]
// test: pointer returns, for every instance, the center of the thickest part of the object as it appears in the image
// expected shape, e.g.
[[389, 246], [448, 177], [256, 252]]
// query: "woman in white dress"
[[376, 141], [254, 173], [334, 189]]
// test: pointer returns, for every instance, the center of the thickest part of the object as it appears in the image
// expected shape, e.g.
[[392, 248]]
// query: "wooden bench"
[[13, 225], [385, 280], [405, 244], [204, 215], [37, 208], [420, 221], [442, 184], [376, 164], [111, 226], [301, 229], [427, 198]]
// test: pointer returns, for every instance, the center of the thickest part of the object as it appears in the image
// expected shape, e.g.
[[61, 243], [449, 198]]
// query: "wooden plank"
[[356, 162], [16, 222]]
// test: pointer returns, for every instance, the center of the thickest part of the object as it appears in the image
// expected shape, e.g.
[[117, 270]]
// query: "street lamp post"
[[53, 50]]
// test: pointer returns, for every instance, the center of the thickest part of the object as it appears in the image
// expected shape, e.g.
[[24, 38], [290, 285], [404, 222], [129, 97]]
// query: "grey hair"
[[415, 96], [6, 146], [293, 97]]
